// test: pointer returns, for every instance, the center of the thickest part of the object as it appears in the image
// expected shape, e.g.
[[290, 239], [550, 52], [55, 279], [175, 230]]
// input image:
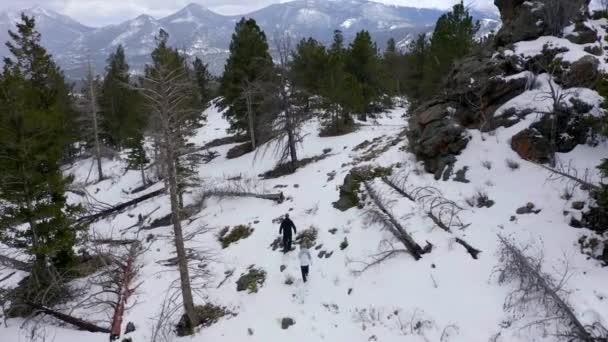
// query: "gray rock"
[[321, 254], [578, 205], [583, 34], [461, 175], [329, 254], [282, 268], [531, 145], [129, 328], [286, 322], [527, 209], [582, 73]]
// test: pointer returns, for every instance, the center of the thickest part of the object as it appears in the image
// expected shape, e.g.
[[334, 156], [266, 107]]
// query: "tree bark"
[[93, 104], [77, 322], [172, 184], [251, 119]]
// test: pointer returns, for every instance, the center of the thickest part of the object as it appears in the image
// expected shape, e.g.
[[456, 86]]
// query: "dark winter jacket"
[[286, 227]]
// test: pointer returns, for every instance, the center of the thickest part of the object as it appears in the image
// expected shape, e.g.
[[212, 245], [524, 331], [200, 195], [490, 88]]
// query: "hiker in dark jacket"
[[286, 227]]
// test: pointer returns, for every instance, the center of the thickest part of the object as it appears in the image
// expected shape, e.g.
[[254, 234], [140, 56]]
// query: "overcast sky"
[[103, 12]]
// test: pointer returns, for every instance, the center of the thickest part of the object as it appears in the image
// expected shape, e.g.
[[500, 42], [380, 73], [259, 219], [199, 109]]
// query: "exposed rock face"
[[582, 73], [583, 34], [526, 20], [474, 90], [531, 145]]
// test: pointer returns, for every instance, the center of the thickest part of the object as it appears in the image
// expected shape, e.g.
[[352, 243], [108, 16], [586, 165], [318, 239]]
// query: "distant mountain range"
[[201, 32]]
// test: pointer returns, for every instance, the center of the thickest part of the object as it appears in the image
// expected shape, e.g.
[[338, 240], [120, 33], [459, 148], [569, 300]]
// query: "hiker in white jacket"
[[305, 260]]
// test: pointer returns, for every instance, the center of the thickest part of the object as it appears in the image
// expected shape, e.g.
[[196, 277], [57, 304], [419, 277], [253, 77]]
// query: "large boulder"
[[583, 34], [582, 73], [532, 146], [435, 136], [528, 20]]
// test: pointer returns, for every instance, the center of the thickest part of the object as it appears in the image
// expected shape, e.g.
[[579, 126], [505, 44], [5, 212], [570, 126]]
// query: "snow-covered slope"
[[445, 296]]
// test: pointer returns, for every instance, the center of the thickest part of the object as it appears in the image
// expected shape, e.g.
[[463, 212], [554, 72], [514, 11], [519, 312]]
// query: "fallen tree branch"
[[565, 173], [113, 242], [77, 322], [8, 276], [14, 263], [470, 249], [438, 222], [398, 189], [389, 221], [107, 212], [278, 197]]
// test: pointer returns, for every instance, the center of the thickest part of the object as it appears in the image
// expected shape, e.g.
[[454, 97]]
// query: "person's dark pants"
[[286, 243], [304, 272]]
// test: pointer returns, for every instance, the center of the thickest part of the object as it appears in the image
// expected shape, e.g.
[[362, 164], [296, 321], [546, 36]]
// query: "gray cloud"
[[103, 12]]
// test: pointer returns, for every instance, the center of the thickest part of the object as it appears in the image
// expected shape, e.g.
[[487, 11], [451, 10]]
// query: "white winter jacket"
[[304, 256]]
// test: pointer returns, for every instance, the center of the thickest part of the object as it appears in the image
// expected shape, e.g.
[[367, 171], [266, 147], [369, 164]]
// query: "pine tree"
[[120, 105], [308, 62], [203, 80], [415, 64], [136, 157], [33, 136], [393, 68], [453, 38], [341, 91], [363, 63], [248, 66], [172, 98]]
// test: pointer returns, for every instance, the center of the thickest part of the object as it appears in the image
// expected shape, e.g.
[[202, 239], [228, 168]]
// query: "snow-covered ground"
[[455, 297]]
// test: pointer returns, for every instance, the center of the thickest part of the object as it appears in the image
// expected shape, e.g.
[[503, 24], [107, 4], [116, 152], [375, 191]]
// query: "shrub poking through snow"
[[512, 164], [487, 164], [289, 280], [349, 191], [252, 280], [480, 200], [228, 236], [344, 244], [286, 322], [207, 315], [307, 237]]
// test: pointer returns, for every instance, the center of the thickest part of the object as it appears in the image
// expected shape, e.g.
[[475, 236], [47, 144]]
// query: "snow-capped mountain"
[[201, 32]]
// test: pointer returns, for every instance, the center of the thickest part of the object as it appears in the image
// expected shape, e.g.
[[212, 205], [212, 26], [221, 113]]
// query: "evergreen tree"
[[453, 38], [308, 62], [415, 62], [393, 68], [120, 105], [363, 63], [249, 65], [203, 80], [136, 157], [33, 135]]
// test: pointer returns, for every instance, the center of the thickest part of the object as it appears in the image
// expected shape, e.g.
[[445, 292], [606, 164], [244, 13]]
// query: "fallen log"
[[438, 222], [125, 291], [14, 263], [397, 188], [113, 242], [8, 276], [279, 197], [107, 212], [470, 249], [77, 322], [395, 227]]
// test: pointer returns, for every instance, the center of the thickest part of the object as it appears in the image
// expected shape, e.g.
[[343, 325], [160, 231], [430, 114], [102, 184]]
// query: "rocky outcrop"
[[530, 19], [583, 34], [582, 73], [474, 90], [532, 146]]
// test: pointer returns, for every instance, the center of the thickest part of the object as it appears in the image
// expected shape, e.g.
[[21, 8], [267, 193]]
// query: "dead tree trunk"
[[250, 118], [77, 322], [398, 231], [93, 109], [397, 189], [279, 197], [547, 289], [125, 291], [104, 213], [14, 263]]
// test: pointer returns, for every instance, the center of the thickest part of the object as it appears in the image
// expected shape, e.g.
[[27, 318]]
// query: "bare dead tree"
[[170, 92], [571, 173], [538, 291]]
